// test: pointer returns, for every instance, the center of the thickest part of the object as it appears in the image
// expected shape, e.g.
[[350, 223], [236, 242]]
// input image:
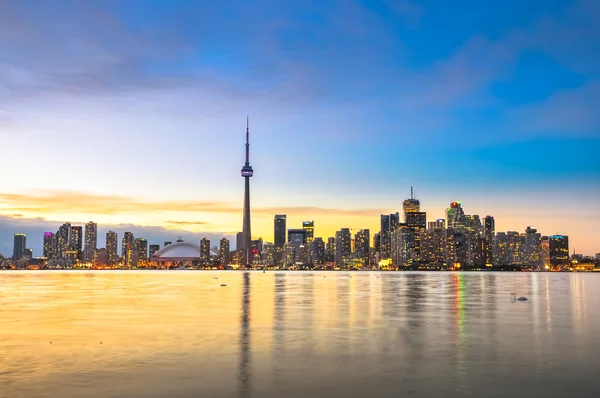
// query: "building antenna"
[[247, 140]]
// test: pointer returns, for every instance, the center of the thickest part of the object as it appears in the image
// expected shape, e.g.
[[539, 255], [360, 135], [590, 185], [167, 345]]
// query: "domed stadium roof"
[[179, 251]]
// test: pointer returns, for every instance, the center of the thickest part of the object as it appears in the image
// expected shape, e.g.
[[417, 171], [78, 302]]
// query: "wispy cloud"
[[187, 222], [55, 203]]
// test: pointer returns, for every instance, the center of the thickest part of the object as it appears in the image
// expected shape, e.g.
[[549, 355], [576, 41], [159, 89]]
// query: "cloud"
[[186, 222], [55, 203]]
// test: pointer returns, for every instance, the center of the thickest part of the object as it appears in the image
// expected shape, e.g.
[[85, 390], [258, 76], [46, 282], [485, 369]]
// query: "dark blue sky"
[[350, 103]]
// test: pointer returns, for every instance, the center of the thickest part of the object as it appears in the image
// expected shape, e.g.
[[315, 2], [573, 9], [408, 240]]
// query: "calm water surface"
[[322, 334]]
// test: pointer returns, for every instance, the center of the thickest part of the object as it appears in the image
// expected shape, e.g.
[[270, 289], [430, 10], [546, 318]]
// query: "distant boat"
[[223, 285]]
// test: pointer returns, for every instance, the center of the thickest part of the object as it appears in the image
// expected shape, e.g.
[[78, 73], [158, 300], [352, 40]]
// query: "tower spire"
[[247, 140], [411, 192]]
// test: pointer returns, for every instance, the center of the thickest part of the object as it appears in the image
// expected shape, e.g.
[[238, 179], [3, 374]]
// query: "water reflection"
[[245, 340], [298, 334]]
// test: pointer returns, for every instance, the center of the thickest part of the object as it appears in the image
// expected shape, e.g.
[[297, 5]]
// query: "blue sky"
[[350, 103]]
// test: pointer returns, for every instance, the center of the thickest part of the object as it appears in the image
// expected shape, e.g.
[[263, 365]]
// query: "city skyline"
[[352, 103]]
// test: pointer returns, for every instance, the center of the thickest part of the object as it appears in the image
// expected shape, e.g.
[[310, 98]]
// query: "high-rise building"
[[411, 205], [455, 215], [489, 230], [532, 252], [153, 250], [20, 244], [377, 243], [362, 240], [434, 248], [545, 252], [343, 249], [309, 227], [394, 221], [279, 230], [559, 250], [141, 246], [127, 247], [247, 173], [224, 251], [205, 250], [516, 243], [257, 248], [100, 257], [112, 242], [297, 237], [417, 221], [318, 251], [385, 236], [91, 241], [28, 253], [501, 249], [330, 250], [76, 243], [403, 246], [48, 245], [62, 241]]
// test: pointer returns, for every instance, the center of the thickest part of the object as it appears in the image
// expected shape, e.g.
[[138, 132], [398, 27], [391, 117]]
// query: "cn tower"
[[247, 172]]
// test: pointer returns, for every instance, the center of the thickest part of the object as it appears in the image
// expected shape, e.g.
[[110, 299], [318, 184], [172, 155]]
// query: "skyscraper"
[[403, 246], [385, 236], [488, 235], [127, 247], [411, 205], [455, 215], [247, 173], [20, 244], [559, 250], [62, 241], [279, 230], [48, 245], [224, 251], [204, 251], [309, 227], [343, 248], [330, 250], [91, 241], [76, 243], [532, 252], [417, 221], [111, 248], [141, 247], [362, 240], [239, 241], [318, 251]]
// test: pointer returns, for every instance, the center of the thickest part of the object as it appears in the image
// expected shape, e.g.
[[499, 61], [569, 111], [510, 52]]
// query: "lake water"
[[298, 334]]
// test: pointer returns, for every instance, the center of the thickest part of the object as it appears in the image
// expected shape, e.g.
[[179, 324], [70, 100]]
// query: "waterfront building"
[[489, 230], [533, 247], [342, 247], [49, 244], [100, 257], [318, 251], [127, 248], [545, 252], [62, 244], [111, 248], [19, 246], [434, 248], [224, 258], [75, 251], [362, 241], [141, 246], [403, 246], [91, 241], [267, 255], [559, 250], [205, 251], [500, 251], [239, 242], [330, 250]]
